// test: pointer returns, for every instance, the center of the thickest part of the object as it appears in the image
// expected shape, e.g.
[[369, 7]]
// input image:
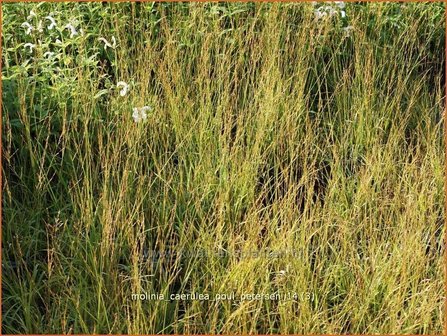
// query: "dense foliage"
[[218, 128]]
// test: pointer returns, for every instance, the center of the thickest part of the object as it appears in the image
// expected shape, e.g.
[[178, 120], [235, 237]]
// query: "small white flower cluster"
[[329, 10], [73, 31], [50, 22], [29, 27], [31, 46], [107, 44], [48, 54], [139, 114], [124, 86]]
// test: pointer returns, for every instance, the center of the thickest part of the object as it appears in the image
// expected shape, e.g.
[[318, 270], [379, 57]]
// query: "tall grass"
[[271, 130]]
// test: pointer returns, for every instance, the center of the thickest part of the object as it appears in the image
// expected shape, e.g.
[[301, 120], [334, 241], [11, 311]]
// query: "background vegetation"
[[314, 128]]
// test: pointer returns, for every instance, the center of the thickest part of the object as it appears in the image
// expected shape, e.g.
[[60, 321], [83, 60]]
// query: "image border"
[[238, 1]]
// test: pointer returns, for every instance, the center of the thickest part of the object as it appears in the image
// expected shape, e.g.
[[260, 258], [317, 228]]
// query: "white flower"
[[324, 11], [73, 31], [136, 114], [140, 114], [48, 54], [343, 13], [340, 4], [107, 43], [31, 15], [319, 14], [30, 45], [58, 41], [53, 22], [125, 88], [28, 27]]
